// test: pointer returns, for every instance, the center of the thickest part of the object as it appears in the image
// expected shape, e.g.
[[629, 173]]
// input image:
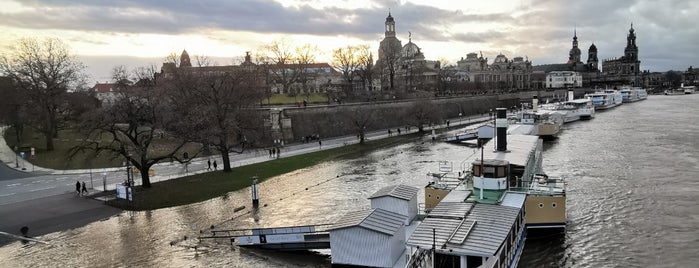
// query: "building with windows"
[[563, 79], [502, 73], [404, 67], [624, 70]]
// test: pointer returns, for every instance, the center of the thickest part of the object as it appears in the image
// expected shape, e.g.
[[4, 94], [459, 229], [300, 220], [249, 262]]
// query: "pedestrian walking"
[[270, 152], [84, 190], [398, 129], [389, 132], [279, 151], [447, 123], [208, 162], [77, 187], [320, 144], [215, 165]]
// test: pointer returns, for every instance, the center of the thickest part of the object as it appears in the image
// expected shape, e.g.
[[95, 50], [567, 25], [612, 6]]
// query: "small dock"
[[278, 238]]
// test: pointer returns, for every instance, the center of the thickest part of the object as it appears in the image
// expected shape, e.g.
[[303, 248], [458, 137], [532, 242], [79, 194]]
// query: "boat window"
[[501, 172], [553, 205], [541, 205], [476, 170]]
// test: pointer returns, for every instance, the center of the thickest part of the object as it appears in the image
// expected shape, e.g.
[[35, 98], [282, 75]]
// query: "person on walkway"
[[215, 165], [389, 132], [84, 190], [320, 144], [270, 152], [279, 151], [77, 187], [447, 123], [398, 129], [209, 163]]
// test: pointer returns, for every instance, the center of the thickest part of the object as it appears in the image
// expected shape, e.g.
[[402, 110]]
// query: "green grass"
[[285, 99], [59, 158], [201, 187]]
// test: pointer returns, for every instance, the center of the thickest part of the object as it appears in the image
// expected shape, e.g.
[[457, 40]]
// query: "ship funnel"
[[535, 104], [571, 95], [501, 125]]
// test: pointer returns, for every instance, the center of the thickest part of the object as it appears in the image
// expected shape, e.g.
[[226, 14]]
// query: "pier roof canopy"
[[398, 191], [378, 220]]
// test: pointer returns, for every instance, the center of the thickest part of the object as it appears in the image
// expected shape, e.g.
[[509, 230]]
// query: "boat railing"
[[420, 258]]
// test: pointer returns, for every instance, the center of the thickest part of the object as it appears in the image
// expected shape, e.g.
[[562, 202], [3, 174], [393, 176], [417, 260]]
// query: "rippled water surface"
[[633, 201]]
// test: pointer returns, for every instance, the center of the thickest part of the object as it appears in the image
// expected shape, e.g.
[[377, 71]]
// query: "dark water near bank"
[[633, 201]]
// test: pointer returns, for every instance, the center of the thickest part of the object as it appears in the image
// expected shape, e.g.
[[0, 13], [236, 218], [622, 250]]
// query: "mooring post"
[[255, 196]]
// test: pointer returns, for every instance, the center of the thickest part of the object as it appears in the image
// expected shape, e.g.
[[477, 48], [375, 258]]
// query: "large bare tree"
[[45, 71], [215, 107], [346, 61], [360, 118], [305, 56], [280, 56], [365, 69], [389, 56], [132, 126], [422, 113]]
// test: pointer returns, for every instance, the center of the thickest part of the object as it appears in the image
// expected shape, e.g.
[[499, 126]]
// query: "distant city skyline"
[[137, 33]]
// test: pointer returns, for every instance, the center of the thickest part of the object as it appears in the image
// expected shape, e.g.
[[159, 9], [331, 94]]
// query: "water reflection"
[[632, 201]]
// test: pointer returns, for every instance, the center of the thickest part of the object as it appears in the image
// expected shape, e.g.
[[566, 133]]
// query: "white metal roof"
[[377, 220], [398, 191], [481, 233], [512, 199], [450, 210], [518, 149]]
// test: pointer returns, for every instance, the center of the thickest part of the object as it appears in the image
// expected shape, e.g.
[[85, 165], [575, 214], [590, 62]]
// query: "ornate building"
[[502, 73], [404, 67], [627, 65], [589, 70]]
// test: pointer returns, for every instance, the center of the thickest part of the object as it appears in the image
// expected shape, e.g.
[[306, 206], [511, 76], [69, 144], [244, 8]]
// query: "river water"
[[633, 200]]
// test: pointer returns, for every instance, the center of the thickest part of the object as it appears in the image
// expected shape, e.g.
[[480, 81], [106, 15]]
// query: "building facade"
[[625, 69], [563, 79]]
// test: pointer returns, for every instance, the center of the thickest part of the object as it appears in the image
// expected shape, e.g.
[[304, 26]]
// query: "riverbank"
[[201, 187]]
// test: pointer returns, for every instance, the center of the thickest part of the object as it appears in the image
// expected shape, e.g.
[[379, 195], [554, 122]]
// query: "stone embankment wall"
[[334, 120]]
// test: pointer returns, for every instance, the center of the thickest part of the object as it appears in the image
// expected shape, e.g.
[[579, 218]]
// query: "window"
[[553, 205], [541, 205]]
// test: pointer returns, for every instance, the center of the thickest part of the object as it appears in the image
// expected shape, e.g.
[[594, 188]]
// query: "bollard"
[[255, 197]]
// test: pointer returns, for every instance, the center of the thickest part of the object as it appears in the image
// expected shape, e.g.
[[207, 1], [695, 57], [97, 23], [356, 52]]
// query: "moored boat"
[[606, 99]]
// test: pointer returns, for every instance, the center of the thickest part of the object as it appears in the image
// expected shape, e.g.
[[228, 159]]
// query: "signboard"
[[285, 238], [124, 192], [249, 240]]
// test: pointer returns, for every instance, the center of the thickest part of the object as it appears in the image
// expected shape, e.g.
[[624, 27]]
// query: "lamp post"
[[16, 158]]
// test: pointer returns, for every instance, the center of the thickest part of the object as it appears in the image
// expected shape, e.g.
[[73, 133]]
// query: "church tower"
[[592, 58], [184, 59], [631, 51], [390, 26], [574, 56]]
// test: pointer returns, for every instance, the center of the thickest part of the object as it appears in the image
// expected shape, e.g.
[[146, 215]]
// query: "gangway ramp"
[[290, 238]]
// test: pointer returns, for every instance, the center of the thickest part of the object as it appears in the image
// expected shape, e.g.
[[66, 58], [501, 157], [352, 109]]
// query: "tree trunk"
[[361, 138], [145, 177], [226, 161], [49, 140]]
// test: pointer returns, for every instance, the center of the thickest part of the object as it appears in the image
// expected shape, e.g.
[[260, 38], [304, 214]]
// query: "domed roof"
[[410, 50], [500, 59], [593, 47]]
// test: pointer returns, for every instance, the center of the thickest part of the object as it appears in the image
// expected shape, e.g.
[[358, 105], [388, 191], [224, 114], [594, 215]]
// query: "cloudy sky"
[[139, 32]]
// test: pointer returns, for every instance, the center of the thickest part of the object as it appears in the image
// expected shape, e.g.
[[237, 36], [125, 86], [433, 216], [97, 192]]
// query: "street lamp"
[[16, 158]]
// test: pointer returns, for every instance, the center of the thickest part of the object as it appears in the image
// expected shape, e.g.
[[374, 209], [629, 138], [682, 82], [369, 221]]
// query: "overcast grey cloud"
[[666, 30]]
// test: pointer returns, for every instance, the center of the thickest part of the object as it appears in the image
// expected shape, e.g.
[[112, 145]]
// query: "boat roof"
[[577, 101], [398, 191], [378, 220], [519, 147], [480, 233]]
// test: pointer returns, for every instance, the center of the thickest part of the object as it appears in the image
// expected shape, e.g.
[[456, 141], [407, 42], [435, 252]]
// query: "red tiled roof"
[[102, 87]]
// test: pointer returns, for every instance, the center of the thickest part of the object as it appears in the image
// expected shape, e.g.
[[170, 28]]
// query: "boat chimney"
[[571, 95], [501, 125], [535, 104]]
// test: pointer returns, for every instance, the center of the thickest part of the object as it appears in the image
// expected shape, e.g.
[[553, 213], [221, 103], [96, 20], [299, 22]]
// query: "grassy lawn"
[[201, 187], [284, 99], [59, 158]]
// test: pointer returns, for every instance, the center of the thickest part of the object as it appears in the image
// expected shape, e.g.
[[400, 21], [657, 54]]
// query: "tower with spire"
[[574, 55], [631, 50], [592, 61], [184, 59]]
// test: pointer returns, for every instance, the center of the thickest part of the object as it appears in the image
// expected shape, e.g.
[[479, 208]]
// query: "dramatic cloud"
[[539, 29]]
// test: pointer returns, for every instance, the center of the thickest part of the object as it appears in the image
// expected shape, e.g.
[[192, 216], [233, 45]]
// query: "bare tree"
[[365, 69], [215, 108], [132, 127], [305, 56], [280, 56], [12, 108], [389, 64], [345, 61], [44, 71], [423, 113], [360, 118]]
